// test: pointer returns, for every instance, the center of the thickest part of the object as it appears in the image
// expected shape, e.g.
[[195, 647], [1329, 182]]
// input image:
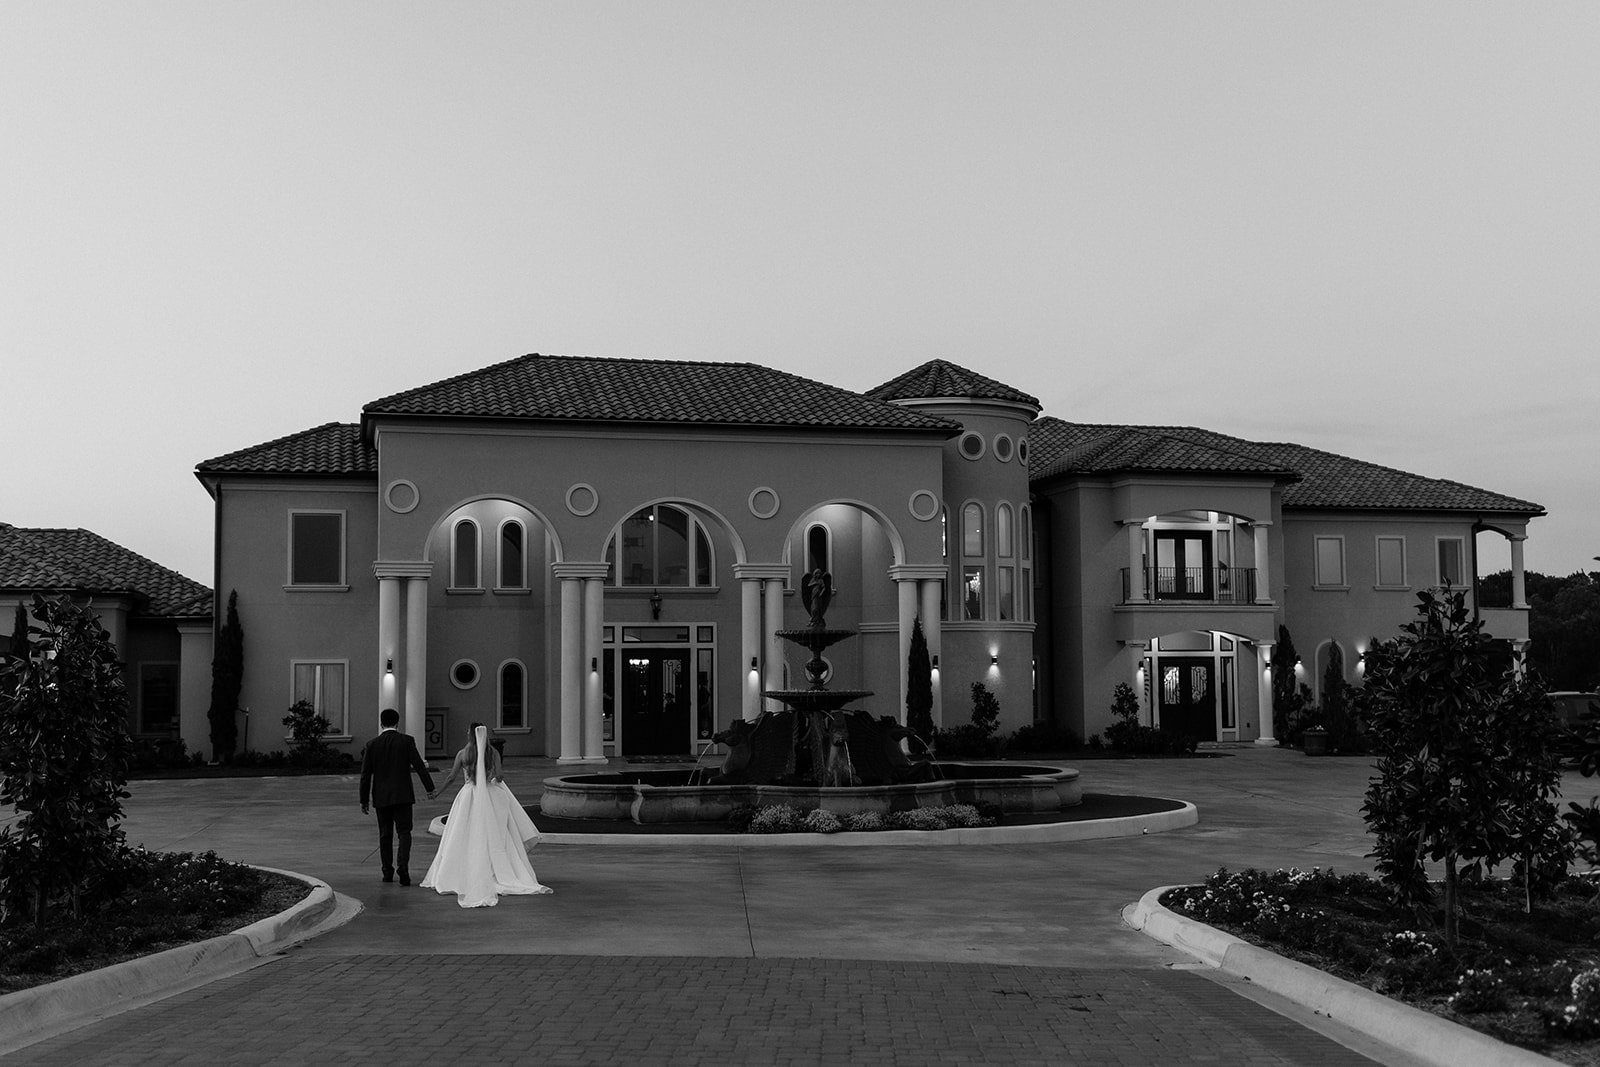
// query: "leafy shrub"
[[975, 739], [1128, 734], [1043, 737], [1581, 1017], [1478, 990], [777, 819], [865, 821], [305, 725], [739, 818], [818, 821]]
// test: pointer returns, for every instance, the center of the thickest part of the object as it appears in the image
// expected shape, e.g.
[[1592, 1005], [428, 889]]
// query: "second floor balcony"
[[1189, 585]]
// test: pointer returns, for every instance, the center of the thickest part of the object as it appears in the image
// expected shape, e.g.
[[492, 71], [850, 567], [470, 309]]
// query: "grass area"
[[1530, 979], [160, 900]]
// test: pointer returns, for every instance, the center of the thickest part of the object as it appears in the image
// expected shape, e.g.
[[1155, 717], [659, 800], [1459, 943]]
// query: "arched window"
[[512, 697], [464, 550], [819, 549], [972, 529], [1005, 548], [1025, 548], [660, 545], [513, 561]]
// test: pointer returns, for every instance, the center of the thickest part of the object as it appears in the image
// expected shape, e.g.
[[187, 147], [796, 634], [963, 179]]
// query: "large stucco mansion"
[[593, 556]]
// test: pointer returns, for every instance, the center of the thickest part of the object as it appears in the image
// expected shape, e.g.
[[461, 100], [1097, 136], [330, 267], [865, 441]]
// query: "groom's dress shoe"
[[405, 878], [387, 877]]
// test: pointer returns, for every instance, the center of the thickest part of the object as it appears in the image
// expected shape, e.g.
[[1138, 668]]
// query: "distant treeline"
[[1563, 623]]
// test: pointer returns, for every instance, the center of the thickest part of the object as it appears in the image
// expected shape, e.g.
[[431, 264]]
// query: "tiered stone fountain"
[[814, 754]]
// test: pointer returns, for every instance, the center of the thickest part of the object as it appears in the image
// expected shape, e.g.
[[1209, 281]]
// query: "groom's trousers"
[[394, 820]]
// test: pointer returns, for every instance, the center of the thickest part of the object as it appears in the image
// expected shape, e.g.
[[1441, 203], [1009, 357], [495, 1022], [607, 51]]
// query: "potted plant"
[[1315, 739]]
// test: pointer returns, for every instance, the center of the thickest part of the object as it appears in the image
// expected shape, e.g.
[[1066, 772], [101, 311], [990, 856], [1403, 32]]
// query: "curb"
[[1430, 1038], [1042, 833], [33, 1014]]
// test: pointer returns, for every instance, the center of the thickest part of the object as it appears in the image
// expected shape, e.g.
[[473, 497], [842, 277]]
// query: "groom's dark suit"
[[386, 768]]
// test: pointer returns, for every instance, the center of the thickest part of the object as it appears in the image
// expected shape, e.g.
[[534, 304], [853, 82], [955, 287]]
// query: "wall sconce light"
[[1298, 662], [655, 603], [936, 663], [388, 667], [994, 660], [594, 664], [752, 663]]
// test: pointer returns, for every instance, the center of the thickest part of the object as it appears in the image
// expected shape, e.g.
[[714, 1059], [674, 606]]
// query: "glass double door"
[[657, 710], [1188, 696]]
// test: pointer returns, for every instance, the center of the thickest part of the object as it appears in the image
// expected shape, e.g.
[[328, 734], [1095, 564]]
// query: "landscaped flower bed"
[[159, 900], [1531, 979], [783, 819]]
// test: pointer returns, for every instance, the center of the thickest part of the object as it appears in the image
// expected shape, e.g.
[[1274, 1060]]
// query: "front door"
[[655, 702], [1189, 697]]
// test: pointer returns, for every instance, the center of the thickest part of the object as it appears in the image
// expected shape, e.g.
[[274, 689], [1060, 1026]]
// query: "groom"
[[386, 768]]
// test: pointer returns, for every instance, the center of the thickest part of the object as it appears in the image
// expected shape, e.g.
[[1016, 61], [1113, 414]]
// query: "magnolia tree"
[[64, 760], [1466, 769]]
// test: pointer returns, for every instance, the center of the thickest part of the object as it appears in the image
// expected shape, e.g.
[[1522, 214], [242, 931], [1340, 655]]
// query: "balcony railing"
[[1195, 585]]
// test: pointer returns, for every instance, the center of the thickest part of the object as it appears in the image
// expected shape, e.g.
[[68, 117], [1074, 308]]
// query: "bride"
[[482, 854]]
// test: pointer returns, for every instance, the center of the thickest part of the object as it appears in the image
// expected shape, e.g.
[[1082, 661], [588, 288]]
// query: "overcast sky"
[[1371, 228]]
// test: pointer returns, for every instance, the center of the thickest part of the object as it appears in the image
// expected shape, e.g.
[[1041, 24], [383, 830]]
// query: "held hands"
[[364, 810]]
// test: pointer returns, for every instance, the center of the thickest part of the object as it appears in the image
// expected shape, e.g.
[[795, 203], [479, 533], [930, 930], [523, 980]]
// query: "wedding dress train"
[[481, 854]]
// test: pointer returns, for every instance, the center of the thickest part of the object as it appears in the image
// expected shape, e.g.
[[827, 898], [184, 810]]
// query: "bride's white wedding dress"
[[481, 854]]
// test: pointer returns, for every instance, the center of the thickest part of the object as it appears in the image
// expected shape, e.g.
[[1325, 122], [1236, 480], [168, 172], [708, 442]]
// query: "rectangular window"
[[158, 698], [316, 548], [323, 685], [1392, 561], [1007, 593], [972, 593], [1330, 561], [1451, 554]]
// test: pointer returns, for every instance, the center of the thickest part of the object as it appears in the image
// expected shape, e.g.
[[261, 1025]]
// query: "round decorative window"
[[582, 499], [1002, 447], [971, 445], [763, 502], [401, 496], [1022, 450], [464, 675]]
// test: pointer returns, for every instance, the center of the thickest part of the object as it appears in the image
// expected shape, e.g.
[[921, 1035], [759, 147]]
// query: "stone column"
[[1260, 530], [1264, 691], [756, 643], [403, 592], [910, 580], [389, 594], [594, 745], [1137, 593], [773, 622], [1519, 576], [416, 659], [571, 667], [934, 632]]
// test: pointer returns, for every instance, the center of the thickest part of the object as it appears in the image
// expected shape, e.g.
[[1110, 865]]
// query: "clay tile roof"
[[591, 389], [1135, 449], [938, 379], [333, 448], [1326, 480], [79, 561]]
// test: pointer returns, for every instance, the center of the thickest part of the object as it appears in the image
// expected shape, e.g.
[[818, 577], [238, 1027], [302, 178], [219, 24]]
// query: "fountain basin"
[[666, 796]]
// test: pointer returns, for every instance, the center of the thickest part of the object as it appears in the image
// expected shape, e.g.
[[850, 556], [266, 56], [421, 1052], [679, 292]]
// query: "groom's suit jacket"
[[386, 768]]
